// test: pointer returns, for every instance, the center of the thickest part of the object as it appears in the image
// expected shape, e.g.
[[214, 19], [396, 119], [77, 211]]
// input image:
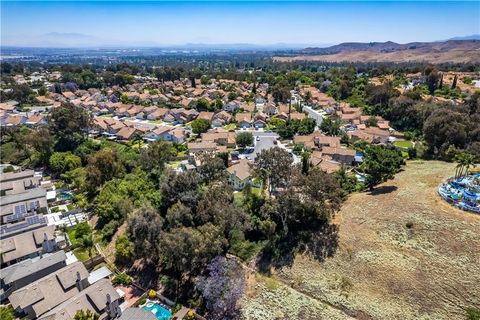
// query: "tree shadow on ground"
[[318, 241], [382, 190], [146, 273]]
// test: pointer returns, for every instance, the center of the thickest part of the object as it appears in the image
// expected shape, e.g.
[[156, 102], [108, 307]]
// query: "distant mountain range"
[[456, 51], [470, 37]]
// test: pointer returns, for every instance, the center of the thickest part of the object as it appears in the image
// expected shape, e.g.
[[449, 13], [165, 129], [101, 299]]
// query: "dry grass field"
[[435, 53], [403, 253]]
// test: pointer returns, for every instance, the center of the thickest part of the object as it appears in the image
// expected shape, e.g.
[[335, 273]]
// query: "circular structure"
[[463, 192]]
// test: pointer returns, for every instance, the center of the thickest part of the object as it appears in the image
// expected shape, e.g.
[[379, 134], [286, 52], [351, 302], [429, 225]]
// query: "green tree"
[[61, 162], [7, 313], [380, 164], [445, 128], [43, 142], [103, 166], [275, 167], [123, 248], [155, 156], [203, 105], [87, 243], [331, 126], [200, 126], [244, 139], [371, 122], [70, 124], [85, 315]]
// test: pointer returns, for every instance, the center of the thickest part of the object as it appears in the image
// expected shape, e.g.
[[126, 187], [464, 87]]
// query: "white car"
[[257, 138]]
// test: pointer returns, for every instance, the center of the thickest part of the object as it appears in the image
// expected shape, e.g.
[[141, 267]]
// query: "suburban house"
[[341, 155], [36, 119], [239, 174], [158, 133], [329, 166], [243, 119], [231, 106], [28, 244], [196, 149], [128, 133], [137, 314], [205, 115], [159, 113], [41, 296], [177, 135], [100, 298], [21, 274], [221, 137], [270, 109], [221, 118]]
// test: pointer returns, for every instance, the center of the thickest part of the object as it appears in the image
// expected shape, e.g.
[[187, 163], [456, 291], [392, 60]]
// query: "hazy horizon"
[[288, 24]]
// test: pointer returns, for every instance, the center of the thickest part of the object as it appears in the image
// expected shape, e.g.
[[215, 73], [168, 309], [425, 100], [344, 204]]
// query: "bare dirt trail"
[[403, 253]]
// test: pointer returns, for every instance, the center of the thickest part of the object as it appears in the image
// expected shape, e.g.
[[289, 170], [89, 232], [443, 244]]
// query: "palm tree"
[[88, 244], [465, 162]]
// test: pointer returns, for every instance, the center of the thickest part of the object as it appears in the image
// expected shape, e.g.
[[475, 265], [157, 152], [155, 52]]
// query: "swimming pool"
[[160, 312], [64, 196]]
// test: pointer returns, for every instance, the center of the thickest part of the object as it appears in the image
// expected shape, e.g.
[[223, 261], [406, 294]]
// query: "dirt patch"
[[403, 254]]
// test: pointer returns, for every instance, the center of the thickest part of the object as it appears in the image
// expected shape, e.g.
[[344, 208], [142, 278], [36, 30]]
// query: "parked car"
[[257, 138]]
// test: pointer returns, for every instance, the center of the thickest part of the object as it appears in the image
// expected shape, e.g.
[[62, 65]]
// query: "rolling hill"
[[454, 51]]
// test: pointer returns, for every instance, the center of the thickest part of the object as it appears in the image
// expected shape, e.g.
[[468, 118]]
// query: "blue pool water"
[[160, 312], [64, 196]]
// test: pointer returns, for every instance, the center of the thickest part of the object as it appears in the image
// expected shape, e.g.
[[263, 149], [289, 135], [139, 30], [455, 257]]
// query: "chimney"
[[110, 309], [46, 245], [79, 282]]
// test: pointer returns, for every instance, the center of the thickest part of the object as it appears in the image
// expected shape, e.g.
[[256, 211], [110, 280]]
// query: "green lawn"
[[175, 164], [231, 126], [158, 121], [403, 144], [82, 254], [71, 235]]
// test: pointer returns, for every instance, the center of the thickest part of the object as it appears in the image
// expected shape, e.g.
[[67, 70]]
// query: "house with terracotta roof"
[[339, 154], [13, 120], [239, 174], [327, 165], [243, 119], [36, 119], [128, 133], [221, 118], [223, 138], [206, 115]]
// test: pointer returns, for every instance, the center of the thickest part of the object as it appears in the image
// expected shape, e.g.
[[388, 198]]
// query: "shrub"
[[409, 225], [473, 314], [7, 313], [190, 315], [8, 169], [152, 293], [142, 301], [123, 279], [176, 307]]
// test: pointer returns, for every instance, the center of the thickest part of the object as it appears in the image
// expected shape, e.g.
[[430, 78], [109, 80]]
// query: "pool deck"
[[132, 294]]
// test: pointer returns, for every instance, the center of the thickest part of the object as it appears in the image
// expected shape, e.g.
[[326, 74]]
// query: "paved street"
[[266, 142]]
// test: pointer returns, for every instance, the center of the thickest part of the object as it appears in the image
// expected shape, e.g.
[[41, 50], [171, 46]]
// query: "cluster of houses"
[[38, 277]]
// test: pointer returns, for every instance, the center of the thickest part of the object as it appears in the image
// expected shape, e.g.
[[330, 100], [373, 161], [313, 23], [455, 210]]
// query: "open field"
[[403, 253]]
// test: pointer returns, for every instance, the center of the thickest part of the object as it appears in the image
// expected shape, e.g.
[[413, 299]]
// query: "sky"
[[165, 23]]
